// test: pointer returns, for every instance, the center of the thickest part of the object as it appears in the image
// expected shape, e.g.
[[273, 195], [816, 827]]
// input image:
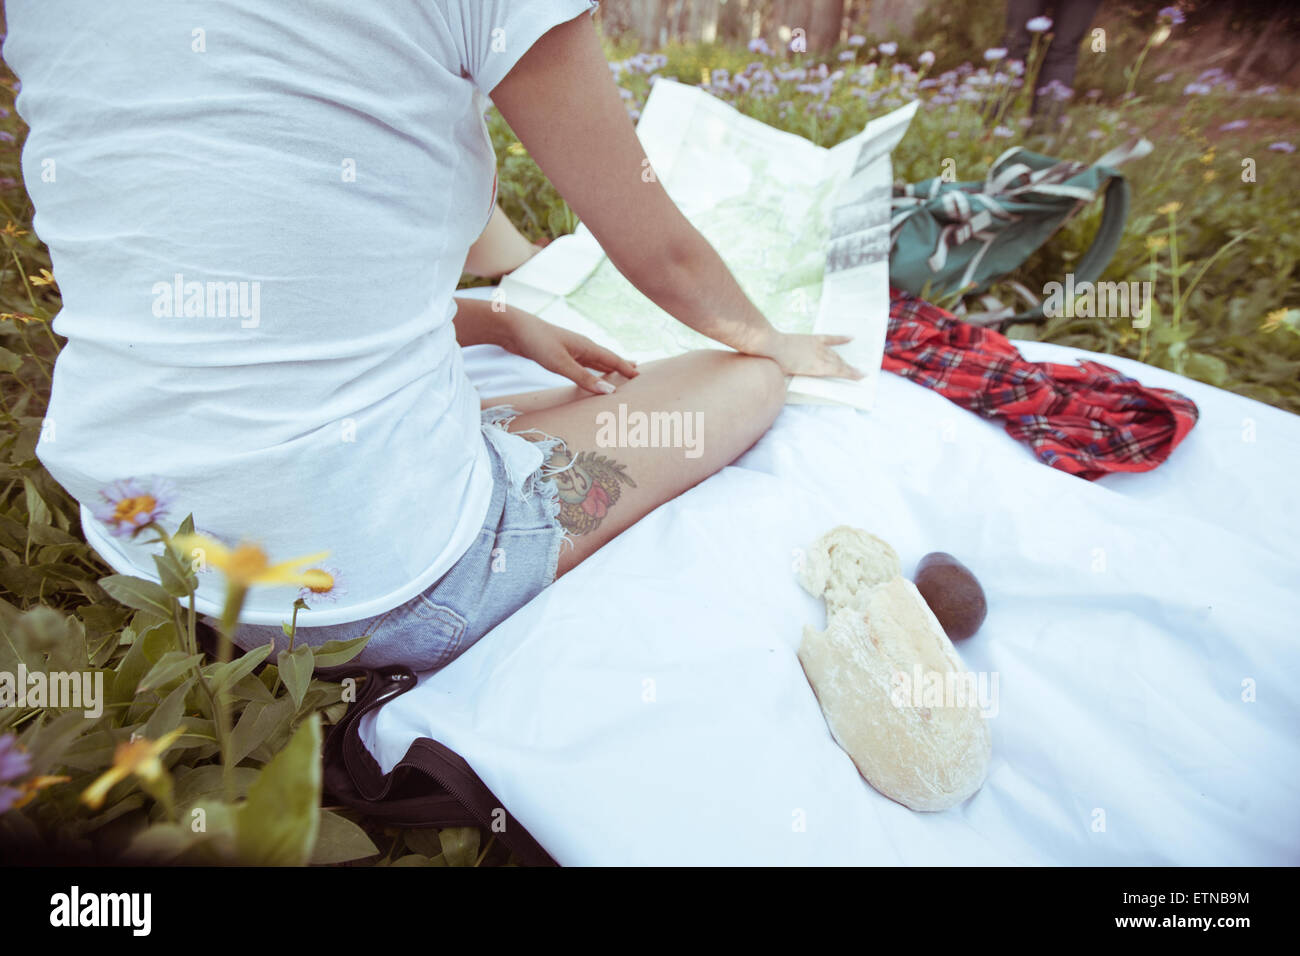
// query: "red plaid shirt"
[[1086, 419]]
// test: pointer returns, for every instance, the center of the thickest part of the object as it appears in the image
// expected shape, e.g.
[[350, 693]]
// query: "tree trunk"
[[825, 20]]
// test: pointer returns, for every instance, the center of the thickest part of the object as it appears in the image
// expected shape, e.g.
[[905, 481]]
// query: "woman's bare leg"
[[707, 406], [535, 401]]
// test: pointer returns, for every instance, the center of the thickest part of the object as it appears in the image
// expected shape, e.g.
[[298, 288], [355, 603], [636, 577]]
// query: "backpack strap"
[[431, 786], [1093, 263]]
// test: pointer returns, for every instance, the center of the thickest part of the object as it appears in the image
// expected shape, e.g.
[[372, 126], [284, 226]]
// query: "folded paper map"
[[804, 229]]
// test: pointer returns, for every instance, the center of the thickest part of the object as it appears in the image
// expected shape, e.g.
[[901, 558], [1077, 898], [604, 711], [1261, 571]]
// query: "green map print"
[[772, 236]]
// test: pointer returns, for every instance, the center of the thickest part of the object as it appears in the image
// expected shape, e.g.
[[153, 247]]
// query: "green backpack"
[[957, 238]]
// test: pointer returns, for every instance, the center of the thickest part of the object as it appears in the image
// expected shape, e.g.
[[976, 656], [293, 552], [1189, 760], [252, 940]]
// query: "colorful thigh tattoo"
[[589, 487]]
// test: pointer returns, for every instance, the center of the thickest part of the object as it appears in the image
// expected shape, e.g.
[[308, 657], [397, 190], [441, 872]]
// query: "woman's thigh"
[[679, 421]]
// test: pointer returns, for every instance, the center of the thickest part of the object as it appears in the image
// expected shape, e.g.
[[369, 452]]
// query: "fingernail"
[[604, 386]]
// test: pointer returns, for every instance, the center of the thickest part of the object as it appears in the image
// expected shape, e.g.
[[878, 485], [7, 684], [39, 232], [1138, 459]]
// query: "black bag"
[[432, 786]]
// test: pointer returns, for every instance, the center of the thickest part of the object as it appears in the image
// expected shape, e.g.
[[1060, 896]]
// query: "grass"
[[1213, 226]]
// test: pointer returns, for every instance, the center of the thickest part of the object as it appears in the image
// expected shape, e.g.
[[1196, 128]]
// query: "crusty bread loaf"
[[844, 564], [924, 748]]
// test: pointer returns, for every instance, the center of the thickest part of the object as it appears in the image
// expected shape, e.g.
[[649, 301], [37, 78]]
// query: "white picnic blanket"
[[649, 707]]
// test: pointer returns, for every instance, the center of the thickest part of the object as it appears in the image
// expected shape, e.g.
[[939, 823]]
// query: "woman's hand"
[[563, 352], [806, 354]]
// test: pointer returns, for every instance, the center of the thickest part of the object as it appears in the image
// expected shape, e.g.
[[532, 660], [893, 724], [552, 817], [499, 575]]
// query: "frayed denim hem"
[[539, 483]]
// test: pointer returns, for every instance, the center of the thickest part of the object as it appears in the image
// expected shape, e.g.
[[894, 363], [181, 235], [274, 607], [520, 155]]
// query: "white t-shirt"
[[257, 215]]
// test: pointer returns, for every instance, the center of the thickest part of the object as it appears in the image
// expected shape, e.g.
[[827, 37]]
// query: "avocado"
[[953, 593]]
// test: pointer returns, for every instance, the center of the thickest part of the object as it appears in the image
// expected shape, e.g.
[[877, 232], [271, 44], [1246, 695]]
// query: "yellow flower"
[[1169, 208], [1208, 175], [1273, 321], [45, 278], [516, 149], [138, 756], [247, 565], [11, 229], [34, 786], [1208, 157], [22, 317], [705, 78], [1156, 243]]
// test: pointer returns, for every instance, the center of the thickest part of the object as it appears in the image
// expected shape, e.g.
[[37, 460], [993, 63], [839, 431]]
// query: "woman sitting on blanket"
[[258, 226]]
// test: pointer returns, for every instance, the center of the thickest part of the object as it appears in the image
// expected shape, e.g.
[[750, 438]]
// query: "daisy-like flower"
[[247, 565], [1164, 78], [926, 59], [846, 55], [1005, 132], [993, 54], [326, 589], [132, 503], [138, 756], [1039, 25], [1057, 91], [1282, 147], [14, 763], [1173, 15], [1156, 243], [45, 278], [1197, 89], [888, 49], [759, 45], [1265, 89], [857, 40]]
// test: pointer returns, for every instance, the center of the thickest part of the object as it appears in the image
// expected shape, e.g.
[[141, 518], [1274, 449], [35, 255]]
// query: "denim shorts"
[[511, 560]]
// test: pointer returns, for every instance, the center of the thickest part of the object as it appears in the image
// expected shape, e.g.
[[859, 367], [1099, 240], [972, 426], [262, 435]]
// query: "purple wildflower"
[[1201, 89], [847, 55], [1173, 15], [1235, 124], [14, 763], [1005, 132], [1039, 25], [759, 45], [131, 504], [926, 59], [993, 54], [1164, 78], [857, 40], [1056, 90], [1282, 147], [888, 49]]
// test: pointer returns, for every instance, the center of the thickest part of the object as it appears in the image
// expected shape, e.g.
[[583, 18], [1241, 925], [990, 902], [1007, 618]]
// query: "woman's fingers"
[[589, 353], [571, 368]]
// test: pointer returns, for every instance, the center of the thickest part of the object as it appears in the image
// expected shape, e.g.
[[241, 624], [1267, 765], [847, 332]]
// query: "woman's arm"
[[562, 103], [500, 249]]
